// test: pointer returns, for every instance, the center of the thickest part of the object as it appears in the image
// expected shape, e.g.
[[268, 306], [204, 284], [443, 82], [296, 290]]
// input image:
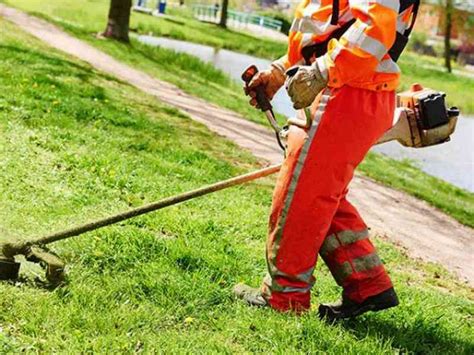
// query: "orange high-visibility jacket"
[[359, 58]]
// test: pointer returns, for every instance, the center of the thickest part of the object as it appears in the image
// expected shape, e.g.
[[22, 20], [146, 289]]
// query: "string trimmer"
[[34, 249], [420, 120]]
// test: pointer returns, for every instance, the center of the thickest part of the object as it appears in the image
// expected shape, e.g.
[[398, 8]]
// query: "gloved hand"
[[304, 85], [271, 80]]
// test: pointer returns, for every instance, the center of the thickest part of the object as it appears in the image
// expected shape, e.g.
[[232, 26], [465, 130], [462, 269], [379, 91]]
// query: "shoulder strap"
[[403, 6], [396, 49], [335, 12], [416, 6], [401, 39]]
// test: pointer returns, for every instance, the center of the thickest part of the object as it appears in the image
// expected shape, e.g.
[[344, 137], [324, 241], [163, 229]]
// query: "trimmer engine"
[[421, 118]]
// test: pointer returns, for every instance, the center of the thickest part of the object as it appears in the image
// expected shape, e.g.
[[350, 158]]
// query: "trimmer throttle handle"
[[262, 101], [249, 73]]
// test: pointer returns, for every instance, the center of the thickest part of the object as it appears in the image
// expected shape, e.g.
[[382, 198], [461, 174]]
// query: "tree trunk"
[[447, 34], [119, 20], [223, 21]]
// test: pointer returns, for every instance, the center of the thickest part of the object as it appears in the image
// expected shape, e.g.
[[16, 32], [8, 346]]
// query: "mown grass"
[[76, 144], [204, 81], [89, 16]]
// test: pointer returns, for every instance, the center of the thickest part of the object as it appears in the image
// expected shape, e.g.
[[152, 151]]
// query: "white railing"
[[211, 13]]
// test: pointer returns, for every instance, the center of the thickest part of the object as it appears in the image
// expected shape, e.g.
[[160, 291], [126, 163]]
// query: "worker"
[[346, 70]]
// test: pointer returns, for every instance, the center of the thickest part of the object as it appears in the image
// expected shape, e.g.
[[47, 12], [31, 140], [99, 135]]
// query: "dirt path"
[[422, 229]]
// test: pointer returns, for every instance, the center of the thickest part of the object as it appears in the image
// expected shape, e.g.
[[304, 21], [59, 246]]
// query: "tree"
[[223, 21], [448, 25], [119, 20]]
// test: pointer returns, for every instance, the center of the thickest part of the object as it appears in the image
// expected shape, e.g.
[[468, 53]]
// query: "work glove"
[[271, 80], [304, 83]]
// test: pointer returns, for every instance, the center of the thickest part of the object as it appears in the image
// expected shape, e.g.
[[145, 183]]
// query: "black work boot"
[[251, 295], [346, 308]]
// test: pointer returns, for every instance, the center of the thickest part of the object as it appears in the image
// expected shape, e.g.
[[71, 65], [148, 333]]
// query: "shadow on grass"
[[174, 20], [85, 72], [35, 282], [418, 337], [43, 57]]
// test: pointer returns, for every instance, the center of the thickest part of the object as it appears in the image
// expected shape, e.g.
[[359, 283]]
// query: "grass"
[[185, 71], [459, 89], [76, 144], [86, 17], [204, 81]]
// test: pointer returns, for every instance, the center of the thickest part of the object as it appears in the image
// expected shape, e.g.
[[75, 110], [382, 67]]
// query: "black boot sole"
[[371, 307], [328, 313]]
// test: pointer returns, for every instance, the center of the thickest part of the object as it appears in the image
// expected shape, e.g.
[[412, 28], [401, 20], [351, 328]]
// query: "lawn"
[[76, 145], [86, 17]]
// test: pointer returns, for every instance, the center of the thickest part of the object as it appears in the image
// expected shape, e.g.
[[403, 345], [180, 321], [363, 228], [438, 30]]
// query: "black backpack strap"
[[416, 6], [403, 6], [319, 49], [395, 51], [402, 38], [335, 12]]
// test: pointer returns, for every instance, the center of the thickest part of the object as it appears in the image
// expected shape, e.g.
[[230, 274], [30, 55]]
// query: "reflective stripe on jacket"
[[359, 58]]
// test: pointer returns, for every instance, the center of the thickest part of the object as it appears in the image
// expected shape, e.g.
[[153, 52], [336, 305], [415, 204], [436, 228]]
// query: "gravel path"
[[423, 230]]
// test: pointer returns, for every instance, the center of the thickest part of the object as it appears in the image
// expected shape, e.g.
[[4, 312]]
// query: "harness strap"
[[416, 6], [319, 49], [335, 12], [401, 40]]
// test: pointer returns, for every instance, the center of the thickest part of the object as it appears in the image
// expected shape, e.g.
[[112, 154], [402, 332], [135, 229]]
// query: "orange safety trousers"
[[310, 213]]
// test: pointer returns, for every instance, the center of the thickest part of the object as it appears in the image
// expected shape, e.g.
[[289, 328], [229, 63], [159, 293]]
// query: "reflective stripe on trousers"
[[309, 201]]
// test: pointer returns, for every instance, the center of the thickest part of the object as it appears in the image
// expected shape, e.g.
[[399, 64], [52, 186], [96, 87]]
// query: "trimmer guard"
[[53, 265], [9, 269]]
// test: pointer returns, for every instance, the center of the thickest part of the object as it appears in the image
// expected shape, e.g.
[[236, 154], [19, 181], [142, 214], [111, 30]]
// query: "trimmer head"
[[9, 269]]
